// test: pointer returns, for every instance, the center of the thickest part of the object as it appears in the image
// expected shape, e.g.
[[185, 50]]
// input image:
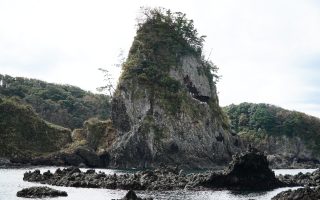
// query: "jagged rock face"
[[165, 108], [197, 83], [148, 134]]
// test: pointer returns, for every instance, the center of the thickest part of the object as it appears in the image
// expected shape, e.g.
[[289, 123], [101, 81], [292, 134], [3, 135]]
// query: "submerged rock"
[[299, 194], [131, 195], [40, 192]]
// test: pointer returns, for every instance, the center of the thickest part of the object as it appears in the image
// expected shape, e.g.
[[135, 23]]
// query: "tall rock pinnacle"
[[165, 108]]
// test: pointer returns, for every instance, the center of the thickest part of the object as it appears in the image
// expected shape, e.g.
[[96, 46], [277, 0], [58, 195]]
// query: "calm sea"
[[11, 182]]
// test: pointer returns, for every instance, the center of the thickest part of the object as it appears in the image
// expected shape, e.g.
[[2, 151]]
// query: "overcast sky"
[[268, 51]]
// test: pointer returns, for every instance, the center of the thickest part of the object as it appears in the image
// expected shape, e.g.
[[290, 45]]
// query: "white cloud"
[[261, 46]]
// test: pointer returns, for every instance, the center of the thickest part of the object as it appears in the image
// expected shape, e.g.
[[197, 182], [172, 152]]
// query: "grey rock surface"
[[196, 136]]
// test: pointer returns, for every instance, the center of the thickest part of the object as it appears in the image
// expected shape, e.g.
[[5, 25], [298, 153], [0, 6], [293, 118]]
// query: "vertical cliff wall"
[[165, 108]]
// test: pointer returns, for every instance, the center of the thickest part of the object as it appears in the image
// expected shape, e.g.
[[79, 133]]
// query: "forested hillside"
[[64, 105], [276, 130], [24, 134]]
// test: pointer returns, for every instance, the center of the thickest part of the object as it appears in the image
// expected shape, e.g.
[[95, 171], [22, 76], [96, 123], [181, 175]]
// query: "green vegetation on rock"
[[95, 133], [256, 122], [65, 105], [24, 134], [163, 39]]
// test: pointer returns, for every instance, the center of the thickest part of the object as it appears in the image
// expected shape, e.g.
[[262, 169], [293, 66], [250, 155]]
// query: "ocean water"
[[11, 182]]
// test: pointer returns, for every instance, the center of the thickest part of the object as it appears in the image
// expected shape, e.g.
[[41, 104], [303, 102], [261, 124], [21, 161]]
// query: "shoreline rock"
[[40, 192], [307, 179]]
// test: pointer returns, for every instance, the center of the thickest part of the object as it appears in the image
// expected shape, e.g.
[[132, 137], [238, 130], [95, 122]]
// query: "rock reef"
[[307, 179], [246, 171]]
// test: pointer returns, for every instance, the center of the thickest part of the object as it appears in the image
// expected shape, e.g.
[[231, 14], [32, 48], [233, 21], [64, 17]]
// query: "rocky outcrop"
[[40, 192], [88, 149], [299, 194], [165, 108], [247, 171], [131, 195], [81, 156], [97, 134]]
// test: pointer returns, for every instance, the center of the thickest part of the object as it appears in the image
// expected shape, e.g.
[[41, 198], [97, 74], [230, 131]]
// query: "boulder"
[[90, 157], [40, 192]]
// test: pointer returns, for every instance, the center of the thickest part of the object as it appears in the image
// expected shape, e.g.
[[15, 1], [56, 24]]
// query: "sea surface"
[[11, 181]]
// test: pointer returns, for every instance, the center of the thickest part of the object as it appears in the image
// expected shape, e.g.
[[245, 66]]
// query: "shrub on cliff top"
[[163, 37]]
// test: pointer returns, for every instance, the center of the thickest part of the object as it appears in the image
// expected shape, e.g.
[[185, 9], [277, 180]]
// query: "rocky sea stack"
[[165, 108]]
